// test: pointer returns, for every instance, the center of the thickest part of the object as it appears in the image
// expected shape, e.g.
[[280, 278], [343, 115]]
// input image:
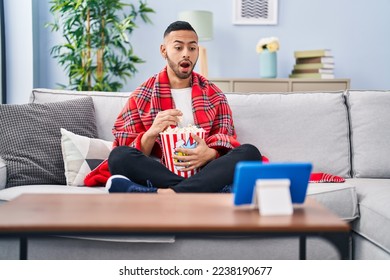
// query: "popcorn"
[[180, 119], [179, 137], [186, 129]]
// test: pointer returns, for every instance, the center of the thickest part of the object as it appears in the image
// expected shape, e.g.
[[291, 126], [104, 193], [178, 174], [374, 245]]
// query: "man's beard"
[[176, 70]]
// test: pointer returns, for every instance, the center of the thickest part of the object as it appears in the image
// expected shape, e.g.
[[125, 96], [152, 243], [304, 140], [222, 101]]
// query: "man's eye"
[[192, 48], [178, 48]]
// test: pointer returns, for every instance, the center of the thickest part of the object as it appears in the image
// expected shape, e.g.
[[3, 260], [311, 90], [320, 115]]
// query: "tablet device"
[[247, 172]]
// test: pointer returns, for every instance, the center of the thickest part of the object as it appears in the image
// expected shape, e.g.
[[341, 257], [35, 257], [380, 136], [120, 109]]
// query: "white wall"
[[18, 33]]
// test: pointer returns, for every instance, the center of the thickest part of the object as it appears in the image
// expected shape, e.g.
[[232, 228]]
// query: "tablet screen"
[[247, 172]]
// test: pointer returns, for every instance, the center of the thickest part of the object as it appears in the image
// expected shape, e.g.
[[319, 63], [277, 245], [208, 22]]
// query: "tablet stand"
[[272, 197]]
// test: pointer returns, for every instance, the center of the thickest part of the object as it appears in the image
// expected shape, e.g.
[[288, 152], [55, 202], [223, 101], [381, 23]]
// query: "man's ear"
[[163, 51]]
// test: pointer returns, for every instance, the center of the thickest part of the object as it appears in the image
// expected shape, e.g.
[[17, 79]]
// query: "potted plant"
[[97, 54]]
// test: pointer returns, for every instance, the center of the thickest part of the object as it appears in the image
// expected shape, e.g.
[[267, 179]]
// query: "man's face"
[[181, 50]]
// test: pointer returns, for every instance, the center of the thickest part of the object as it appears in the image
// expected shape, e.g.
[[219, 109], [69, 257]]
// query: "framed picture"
[[255, 12]]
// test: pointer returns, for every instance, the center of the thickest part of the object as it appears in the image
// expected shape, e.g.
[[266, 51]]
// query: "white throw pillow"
[[81, 155]]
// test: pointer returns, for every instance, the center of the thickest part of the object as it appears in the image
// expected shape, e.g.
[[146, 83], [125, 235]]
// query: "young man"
[[176, 94]]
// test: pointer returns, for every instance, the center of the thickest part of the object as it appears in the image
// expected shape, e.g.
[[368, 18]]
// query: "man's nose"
[[186, 53]]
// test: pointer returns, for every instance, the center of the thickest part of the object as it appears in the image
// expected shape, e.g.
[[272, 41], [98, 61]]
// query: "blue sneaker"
[[226, 189], [122, 184]]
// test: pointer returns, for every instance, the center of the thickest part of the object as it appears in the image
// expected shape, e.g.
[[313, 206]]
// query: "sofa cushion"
[[374, 222], [107, 105], [81, 154], [363, 249], [30, 142], [11, 193], [296, 127], [340, 198], [369, 113]]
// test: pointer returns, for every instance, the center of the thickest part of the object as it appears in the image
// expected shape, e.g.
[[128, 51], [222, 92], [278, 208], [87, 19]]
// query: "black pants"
[[218, 173]]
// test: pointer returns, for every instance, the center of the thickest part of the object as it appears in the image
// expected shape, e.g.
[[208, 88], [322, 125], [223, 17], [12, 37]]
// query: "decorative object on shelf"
[[202, 22], [96, 53], [267, 48], [313, 64], [255, 12]]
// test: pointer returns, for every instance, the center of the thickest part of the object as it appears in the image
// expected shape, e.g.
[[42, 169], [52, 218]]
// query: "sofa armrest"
[[3, 174]]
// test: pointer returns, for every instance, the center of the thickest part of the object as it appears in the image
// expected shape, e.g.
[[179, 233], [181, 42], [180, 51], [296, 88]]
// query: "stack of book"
[[317, 64]]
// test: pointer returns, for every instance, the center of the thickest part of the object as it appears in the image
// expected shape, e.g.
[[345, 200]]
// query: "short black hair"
[[178, 25]]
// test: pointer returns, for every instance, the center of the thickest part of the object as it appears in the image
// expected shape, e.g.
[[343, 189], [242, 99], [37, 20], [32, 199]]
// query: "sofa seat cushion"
[[374, 208], [340, 198], [11, 193], [296, 127]]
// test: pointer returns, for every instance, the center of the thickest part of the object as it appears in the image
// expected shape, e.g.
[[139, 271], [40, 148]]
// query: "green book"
[[314, 66], [312, 53], [313, 76]]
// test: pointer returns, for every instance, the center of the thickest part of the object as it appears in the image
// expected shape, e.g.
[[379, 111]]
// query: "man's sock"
[[121, 184]]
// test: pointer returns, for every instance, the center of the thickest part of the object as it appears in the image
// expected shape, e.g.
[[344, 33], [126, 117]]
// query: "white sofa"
[[341, 133]]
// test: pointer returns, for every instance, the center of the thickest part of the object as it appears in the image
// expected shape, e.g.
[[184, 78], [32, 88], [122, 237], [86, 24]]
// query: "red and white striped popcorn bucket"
[[172, 140]]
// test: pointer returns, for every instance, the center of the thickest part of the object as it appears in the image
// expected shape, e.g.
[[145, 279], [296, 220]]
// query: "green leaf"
[[111, 23]]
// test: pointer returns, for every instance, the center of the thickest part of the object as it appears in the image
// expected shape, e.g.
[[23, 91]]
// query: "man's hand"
[[160, 123], [194, 158], [163, 120]]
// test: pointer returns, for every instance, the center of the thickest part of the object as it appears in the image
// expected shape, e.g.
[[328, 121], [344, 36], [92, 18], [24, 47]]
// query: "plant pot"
[[268, 66]]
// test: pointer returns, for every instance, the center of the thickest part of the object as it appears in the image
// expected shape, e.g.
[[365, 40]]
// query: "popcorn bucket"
[[172, 140]]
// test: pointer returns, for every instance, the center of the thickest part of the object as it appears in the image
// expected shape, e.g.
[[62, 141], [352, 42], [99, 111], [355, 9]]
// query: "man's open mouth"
[[185, 65]]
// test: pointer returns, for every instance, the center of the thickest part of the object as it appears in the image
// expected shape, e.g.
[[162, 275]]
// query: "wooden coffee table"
[[32, 215]]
